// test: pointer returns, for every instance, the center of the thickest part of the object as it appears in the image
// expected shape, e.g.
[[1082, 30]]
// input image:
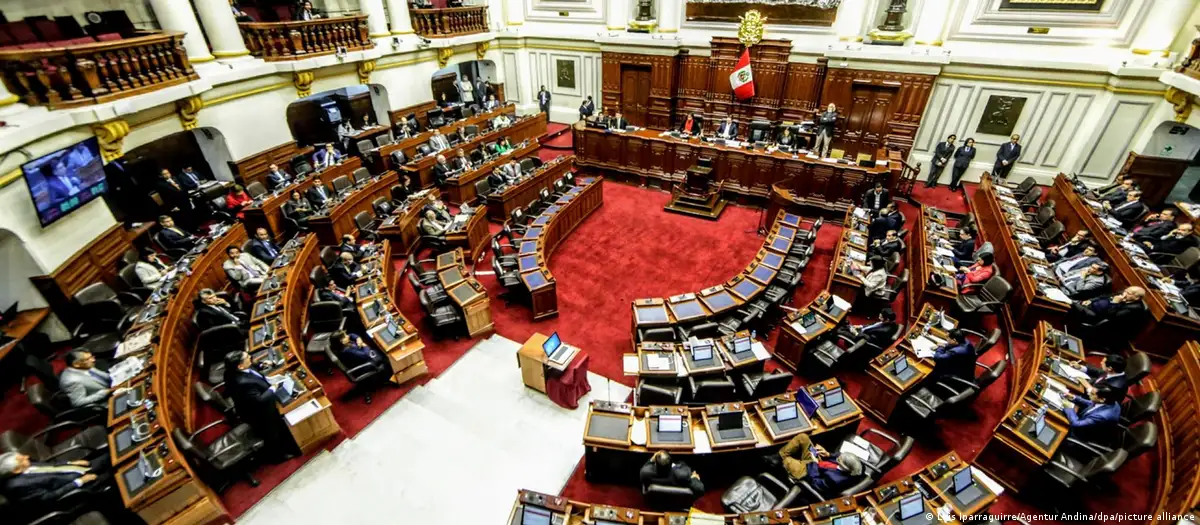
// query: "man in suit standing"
[[345, 272], [1006, 156], [941, 156], [277, 178], [543, 98], [1129, 211], [587, 108], [1090, 416], [876, 199], [174, 196], [962, 160], [173, 238], [438, 142], [326, 157], [263, 247], [728, 129], [244, 269], [618, 122], [63, 184], [318, 195], [825, 126], [955, 358], [212, 310], [83, 383], [483, 90], [256, 403]]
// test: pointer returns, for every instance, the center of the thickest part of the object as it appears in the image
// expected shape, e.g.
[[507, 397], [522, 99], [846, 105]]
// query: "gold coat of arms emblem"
[[750, 31]]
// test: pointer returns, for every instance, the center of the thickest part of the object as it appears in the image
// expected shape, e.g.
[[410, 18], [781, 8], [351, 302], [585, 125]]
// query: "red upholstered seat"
[[108, 37], [21, 32]]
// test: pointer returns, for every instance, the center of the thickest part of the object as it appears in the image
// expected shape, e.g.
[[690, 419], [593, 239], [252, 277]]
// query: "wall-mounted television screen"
[[65, 180]]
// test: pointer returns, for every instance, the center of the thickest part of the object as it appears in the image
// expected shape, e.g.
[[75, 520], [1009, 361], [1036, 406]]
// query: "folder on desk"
[[923, 346]]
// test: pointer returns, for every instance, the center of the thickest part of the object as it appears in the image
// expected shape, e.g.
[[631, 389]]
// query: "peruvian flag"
[[742, 79]]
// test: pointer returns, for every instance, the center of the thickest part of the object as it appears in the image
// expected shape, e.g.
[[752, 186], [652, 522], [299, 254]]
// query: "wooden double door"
[[866, 121], [635, 94]]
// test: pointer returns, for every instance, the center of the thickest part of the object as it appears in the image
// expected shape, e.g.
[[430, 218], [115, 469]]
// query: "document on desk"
[[1070, 372], [658, 362], [1027, 239], [1052, 397], [987, 481], [302, 412], [637, 432], [840, 303], [1055, 294], [1032, 253], [696, 517], [760, 351], [700, 438], [857, 255], [134, 344], [629, 364], [943, 252], [860, 213], [854, 447], [126, 370], [1008, 200], [923, 346]]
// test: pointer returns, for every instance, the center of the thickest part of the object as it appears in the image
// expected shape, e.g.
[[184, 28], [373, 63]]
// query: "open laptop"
[[912, 509], [965, 489], [557, 352], [834, 402]]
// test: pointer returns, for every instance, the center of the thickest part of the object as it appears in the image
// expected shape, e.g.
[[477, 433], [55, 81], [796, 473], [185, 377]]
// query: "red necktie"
[[832, 465]]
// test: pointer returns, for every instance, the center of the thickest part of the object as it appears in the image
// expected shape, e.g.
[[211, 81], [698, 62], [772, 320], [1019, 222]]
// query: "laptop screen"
[[786, 412], [834, 398], [963, 480], [900, 365], [702, 352], [911, 506], [535, 516], [806, 402], [1039, 424], [741, 344], [551, 344], [852, 519], [670, 423]]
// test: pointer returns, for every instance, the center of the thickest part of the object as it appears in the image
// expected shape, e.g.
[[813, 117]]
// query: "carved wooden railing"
[[450, 21], [274, 41], [1190, 65], [65, 77]]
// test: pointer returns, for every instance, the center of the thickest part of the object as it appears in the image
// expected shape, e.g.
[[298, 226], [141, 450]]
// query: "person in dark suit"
[[174, 196], [587, 108], [828, 473], [256, 403], [495, 179], [63, 184], [885, 247], [212, 310], [483, 90], [662, 470], [326, 157], [543, 98], [263, 247], [345, 272], [1086, 282], [277, 178], [1129, 211], [1078, 243], [1090, 417], [1006, 156], [693, 124], [727, 129], [318, 195], [442, 170], [878, 333], [1172, 244], [1110, 373], [618, 122], [39, 485], [964, 247], [941, 157], [307, 12], [353, 353], [956, 358], [787, 139], [331, 292], [892, 219], [878, 227], [349, 245], [1123, 305], [1115, 194], [1154, 226], [461, 162], [876, 199], [298, 208], [173, 238], [188, 179], [962, 160]]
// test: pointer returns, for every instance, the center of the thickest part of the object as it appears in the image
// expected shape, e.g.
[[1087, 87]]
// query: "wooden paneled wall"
[[99, 261], [1177, 489], [875, 106], [254, 167]]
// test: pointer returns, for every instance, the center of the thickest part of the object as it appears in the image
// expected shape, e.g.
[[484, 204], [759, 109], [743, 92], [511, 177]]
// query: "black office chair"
[[382, 207], [325, 317], [1140, 408], [1177, 264], [133, 284], [424, 275], [329, 255], [211, 397], [443, 320], [560, 189], [926, 404], [318, 276], [424, 150], [88, 441], [711, 389], [361, 177], [880, 460], [986, 341], [1114, 332], [667, 497], [435, 118], [699, 331], [342, 185], [1051, 234], [1134, 441], [384, 140], [860, 349], [104, 310], [364, 378], [989, 300], [224, 459], [365, 147], [506, 261], [889, 293], [366, 223], [510, 279], [648, 393], [471, 129], [57, 407], [1042, 217], [527, 165], [482, 189], [760, 494], [1021, 189], [1063, 471], [399, 158], [730, 324], [212, 345], [757, 385], [1030, 200], [656, 335], [399, 195]]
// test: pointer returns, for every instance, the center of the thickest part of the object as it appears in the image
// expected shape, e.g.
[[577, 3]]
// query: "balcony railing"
[[449, 21], [275, 41], [65, 77]]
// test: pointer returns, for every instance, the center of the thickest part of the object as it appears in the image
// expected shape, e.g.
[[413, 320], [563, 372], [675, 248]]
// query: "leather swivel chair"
[[657, 394], [656, 335], [757, 385], [667, 497], [425, 276], [759, 494], [133, 284], [1065, 471], [366, 223], [325, 317], [880, 459], [89, 441], [382, 206], [1140, 408], [213, 343], [435, 292], [224, 459], [507, 261], [342, 185], [329, 255], [399, 158], [211, 397], [57, 407], [361, 177], [989, 300], [711, 389], [986, 342], [1021, 189], [318, 276], [256, 189], [364, 377], [926, 403], [510, 279], [700, 331], [444, 320], [365, 146], [482, 189]]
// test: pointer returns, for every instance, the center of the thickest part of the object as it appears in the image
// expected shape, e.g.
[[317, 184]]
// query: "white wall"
[[216, 152]]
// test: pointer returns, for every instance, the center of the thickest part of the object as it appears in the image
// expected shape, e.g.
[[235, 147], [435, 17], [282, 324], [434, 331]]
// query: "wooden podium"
[[534, 364], [696, 195]]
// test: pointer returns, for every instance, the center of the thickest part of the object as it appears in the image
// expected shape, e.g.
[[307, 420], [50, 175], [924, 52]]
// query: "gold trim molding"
[[481, 49], [230, 54], [365, 68], [111, 136], [201, 60], [189, 111], [443, 56], [1181, 102], [1064, 83], [303, 80], [9, 100]]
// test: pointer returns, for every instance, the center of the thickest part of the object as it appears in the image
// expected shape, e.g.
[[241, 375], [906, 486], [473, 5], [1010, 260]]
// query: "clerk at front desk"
[[618, 122]]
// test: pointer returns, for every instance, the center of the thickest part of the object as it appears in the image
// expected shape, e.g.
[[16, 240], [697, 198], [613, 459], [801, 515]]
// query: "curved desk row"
[[338, 217], [1177, 489], [545, 233], [716, 300], [160, 399], [267, 211], [931, 486], [467, 293], [409, 145], [525, 128], [460, 188], [619, 437], [500, 204], [927, 230], [852, 246], [403, 226], [902, 367], [1168, 329], [392, 333]]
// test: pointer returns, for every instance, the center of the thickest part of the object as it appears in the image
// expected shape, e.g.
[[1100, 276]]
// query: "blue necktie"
[[100, 377]]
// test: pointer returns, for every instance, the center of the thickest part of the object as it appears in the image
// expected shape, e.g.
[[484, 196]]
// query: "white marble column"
[[177, 15], [931, 22], [377, 24], [670, 12], [399, 18], [1161, 25], [616, 14], [514, 12], [849, 22], [221, 28]]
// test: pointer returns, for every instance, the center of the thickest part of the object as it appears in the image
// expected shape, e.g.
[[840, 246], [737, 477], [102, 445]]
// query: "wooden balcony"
[[449, 21], [1190, 65], [66, 77], [275, 41]]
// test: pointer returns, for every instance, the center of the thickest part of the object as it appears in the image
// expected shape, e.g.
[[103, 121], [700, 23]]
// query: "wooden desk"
[[21, 326], [883, 390], [409, 145], [547, 231], [268, 212], [500, 204], [794, 338], [404, 348], [472, 236], [1177, 483], [815, 185], [921, 246], [529, 127], [468, 295], [461, 188], [843, 282], [253, 168], [535, 364], [339, 220], [1026, 305], [1167, 329], [402, 227], [955, 463]]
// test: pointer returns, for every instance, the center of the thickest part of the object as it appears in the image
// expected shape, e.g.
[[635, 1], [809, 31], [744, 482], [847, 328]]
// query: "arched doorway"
[[449, 84], [133, 177], [314, 119]]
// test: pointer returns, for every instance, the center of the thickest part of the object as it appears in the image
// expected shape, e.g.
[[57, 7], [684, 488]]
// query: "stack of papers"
[[857, 447], [1056, 294], [126, 370], [1071, 372], [658, 362], [629, 364], [1027, 239], [302, 412], [943, 252], [700, 439], [842, 304], [857, 256], [134, 344], [1032, 253], [923, 346]]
